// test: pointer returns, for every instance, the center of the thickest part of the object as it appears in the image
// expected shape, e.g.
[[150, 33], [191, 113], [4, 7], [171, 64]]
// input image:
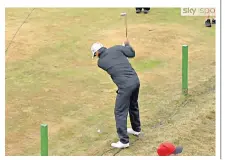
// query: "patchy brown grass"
[[51, 78]]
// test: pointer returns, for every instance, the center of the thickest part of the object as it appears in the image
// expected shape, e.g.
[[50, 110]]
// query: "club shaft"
[[126, 25]]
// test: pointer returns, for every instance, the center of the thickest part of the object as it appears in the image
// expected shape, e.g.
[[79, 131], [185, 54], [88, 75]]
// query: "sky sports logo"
[[198, 12]]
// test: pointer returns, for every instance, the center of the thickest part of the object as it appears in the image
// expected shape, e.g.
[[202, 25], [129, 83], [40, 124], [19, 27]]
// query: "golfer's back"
[[114, 61]]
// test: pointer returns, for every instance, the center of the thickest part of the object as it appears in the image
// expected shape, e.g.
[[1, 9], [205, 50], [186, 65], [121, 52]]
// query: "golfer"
[[114, 61]]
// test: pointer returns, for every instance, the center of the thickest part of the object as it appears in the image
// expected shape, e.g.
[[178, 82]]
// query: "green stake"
[[185, 70], [44, 140]]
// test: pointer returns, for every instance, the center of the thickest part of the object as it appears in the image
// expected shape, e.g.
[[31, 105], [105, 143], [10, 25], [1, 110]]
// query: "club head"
[[123, 14]]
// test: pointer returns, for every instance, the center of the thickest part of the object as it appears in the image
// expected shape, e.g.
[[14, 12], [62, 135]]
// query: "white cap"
[[95, 47]]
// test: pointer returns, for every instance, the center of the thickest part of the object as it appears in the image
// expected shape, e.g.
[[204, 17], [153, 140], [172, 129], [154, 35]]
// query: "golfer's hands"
[[126, 42]]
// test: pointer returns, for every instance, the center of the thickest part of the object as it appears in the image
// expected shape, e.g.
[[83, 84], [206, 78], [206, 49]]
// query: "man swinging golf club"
[[114, 61]]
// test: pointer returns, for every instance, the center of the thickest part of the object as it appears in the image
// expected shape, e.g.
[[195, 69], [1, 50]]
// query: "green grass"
[[146, 65], [51, 78]]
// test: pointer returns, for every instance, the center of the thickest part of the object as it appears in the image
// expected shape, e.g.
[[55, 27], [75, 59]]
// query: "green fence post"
[[185, 70], [44, 140]]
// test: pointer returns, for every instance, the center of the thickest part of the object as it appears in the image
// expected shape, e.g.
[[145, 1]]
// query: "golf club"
[[125, 19]]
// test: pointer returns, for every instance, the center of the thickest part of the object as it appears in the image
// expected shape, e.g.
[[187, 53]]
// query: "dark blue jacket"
[[114, 61]]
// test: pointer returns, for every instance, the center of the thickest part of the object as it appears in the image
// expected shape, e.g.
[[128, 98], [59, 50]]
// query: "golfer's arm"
[[128, 51]]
